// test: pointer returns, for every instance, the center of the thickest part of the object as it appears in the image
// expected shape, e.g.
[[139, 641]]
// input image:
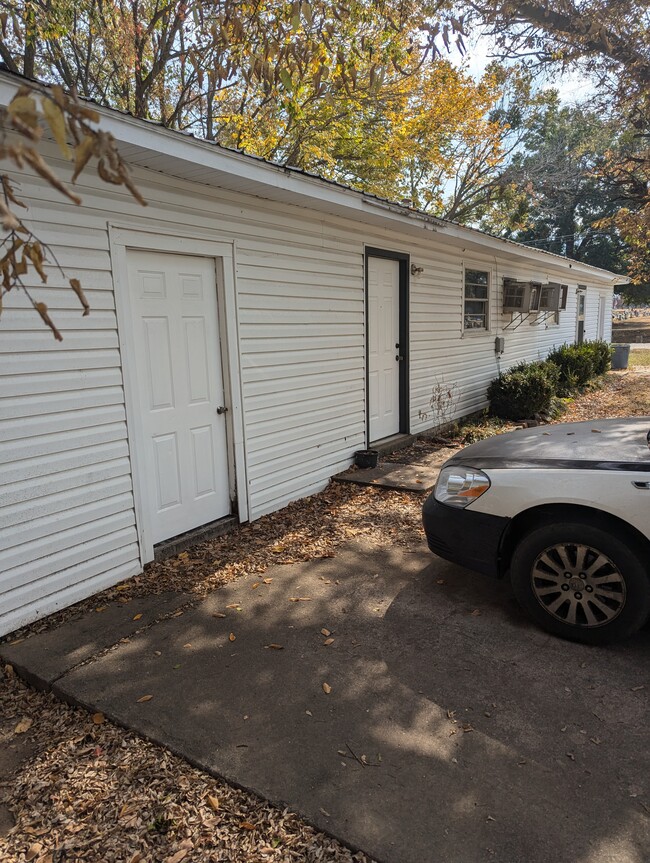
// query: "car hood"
[[614, 444]]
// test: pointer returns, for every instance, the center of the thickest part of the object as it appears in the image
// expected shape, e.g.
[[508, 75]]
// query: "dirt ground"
[[57, 762], [631, 331]]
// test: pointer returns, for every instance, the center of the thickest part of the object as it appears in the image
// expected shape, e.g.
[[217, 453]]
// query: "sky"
[[571, 85]]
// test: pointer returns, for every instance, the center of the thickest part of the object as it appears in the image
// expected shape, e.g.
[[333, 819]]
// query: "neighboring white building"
[[320, 318]]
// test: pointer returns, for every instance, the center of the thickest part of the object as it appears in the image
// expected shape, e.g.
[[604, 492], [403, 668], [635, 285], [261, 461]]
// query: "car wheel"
[[580, 582]]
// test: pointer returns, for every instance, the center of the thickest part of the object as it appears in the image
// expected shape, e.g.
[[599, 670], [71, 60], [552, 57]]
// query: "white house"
[[250, 329]]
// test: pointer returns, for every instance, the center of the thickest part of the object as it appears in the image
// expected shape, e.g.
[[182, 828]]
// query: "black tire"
[[618, 601]]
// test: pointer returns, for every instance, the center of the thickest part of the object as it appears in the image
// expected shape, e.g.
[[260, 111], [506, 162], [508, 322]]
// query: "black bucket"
[[366, 458]]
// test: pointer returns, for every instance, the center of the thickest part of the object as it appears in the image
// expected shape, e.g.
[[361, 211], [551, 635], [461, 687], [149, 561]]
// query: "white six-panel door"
[[383, 338], [180, 384]]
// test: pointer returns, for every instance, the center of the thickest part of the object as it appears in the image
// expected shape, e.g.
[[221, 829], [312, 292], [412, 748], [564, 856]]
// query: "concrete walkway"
[[438, 726]]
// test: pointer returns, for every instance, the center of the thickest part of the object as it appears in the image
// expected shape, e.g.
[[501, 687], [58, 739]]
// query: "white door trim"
[[121, 238]]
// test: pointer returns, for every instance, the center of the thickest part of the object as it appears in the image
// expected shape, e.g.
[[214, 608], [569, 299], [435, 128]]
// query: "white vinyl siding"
[[67, 524]]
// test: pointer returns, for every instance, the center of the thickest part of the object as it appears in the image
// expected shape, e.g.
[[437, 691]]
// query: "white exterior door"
[[180, 387], [383, 347]]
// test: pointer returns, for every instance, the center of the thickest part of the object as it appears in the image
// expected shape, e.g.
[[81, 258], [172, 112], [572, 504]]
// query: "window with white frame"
[[476, 302]]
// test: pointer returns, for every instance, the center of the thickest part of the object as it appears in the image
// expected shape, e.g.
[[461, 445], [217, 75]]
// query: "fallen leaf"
[[24, 725], [232, 636], [189, 644], [33, 851], [98, 718], [246, 825], [234, 605], [100, 609], [440, 581], [123, 587], [138, 617], [157, 653], [299, 599], [137, 858], [144, 698], [256, 585], [213, 802], [218, 614], [178, 856], [325, 632], [325, 813], [637, 688], [475, 613], [267, 580], [328, 641], [327, 688], [274, 647], [309, 713]]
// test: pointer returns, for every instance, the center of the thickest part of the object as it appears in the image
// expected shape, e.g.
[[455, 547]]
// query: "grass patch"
[[639, 359]]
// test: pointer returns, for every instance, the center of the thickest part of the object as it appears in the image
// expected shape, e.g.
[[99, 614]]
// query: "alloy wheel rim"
[[578, 585]]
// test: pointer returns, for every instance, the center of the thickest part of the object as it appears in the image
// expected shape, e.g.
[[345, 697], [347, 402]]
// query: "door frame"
[[122, 239], [404, 261]]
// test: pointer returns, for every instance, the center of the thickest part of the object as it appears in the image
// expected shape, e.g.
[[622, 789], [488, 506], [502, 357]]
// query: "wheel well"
[[549, 513]]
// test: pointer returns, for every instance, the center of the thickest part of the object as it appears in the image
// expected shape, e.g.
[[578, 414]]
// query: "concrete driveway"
[[438, 726]]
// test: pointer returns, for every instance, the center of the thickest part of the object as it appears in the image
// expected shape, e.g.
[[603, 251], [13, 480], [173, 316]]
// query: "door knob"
[[399, 358], [222, 409]]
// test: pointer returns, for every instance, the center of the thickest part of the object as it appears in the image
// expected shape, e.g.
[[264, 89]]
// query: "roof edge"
[[188, 147]]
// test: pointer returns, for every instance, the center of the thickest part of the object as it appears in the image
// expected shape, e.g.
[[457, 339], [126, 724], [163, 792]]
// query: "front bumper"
[[470, 539]]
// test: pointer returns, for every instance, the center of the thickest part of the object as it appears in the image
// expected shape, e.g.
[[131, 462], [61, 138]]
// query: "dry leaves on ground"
[[100, 794], [622, 394], [308, 529]]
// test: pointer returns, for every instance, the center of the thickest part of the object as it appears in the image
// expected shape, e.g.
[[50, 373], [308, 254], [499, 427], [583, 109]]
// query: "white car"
[[564, 510]]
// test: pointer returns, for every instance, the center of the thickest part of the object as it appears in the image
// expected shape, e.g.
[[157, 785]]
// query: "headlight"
[[459, 486]]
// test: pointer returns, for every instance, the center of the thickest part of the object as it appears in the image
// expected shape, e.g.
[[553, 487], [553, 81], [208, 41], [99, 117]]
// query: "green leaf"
[[285, 77]]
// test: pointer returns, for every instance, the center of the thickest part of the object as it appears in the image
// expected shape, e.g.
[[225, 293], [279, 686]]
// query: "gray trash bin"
[[620, 356]]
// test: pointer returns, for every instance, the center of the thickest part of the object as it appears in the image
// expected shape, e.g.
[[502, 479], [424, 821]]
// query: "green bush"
[[579, 364], [602, 356], [523, 391]]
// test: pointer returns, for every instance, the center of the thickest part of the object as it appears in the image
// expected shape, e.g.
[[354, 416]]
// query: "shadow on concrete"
[[485, 739]]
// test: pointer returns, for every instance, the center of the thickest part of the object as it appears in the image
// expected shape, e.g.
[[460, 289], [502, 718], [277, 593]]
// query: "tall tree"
[[167, 59], [568, 195], [611, 42]]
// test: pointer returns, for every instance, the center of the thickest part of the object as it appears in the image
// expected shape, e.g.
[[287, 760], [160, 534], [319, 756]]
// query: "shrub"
[[523, 391], [602, 352], [578, 364]]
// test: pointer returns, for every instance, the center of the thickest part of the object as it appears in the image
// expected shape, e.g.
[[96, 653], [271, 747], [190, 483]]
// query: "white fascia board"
[[303, 189]]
